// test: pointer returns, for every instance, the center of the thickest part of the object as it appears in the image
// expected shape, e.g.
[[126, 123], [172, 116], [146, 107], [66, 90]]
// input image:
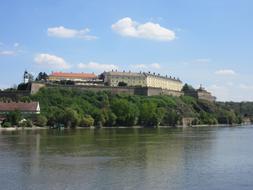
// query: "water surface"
[[122, 159]]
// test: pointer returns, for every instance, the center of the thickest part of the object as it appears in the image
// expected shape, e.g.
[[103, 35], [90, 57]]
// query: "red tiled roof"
[[73, 75], [21, 106]]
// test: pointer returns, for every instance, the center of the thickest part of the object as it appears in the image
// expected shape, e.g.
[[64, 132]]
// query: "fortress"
[[116, 82], [142, 79], [124, 82]]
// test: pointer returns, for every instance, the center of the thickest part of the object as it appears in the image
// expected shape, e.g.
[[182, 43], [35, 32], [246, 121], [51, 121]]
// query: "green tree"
[[150, 114], [41, 121], [87, 121], [71, 118], [42, 76], [171, 118], [6, 124], [99, 118], [111, 119], [14, 117], [126, 112], [188, 89]]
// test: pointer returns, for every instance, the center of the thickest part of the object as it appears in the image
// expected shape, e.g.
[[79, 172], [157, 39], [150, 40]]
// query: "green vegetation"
[[14, 117], [41, 121], [6, 124], [25, 123], [42, 76], [188, 89], [72, 107], [242, 108]]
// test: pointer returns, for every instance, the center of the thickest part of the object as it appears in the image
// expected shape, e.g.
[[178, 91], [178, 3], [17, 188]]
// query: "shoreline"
[[122, 127]]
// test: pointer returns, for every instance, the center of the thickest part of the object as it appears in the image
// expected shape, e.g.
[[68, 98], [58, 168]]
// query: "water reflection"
[[187, 158]]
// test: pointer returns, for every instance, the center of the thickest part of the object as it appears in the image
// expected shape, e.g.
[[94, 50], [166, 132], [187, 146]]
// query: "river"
[[208, 158]]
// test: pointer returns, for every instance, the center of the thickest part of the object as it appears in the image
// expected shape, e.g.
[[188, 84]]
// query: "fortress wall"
[[144, 91], [35, 87], [173, 93]]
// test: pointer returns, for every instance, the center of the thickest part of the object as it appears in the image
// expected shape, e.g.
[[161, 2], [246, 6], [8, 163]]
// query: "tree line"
[[73, 107]]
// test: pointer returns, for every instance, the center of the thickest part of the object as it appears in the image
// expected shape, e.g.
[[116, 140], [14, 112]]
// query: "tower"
[[26, 77]]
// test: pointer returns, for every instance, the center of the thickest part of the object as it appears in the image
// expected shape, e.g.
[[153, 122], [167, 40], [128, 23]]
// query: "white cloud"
[[246, 87], [140, 66], [225, 72], [51, 61], [127, 27], [62, 32], [155, 65], [147, 66], [237, 92], [7, 53], [97, 66]]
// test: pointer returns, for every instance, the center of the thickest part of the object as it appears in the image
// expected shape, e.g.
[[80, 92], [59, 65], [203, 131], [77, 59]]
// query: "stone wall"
[[145, 91], [35, 87]]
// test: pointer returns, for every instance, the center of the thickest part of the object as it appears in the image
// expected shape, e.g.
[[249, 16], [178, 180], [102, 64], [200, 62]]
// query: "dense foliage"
[[72, 107], [242, 108]]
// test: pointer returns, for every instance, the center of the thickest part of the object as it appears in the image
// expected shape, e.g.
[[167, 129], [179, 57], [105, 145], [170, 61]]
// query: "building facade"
[[202, 94], [164, 82], [142, 79], [113, 78], [23, 107], [78, 77]]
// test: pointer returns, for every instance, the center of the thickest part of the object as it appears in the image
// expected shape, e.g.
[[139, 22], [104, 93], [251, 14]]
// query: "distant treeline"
[[244, 109], [73, 107]]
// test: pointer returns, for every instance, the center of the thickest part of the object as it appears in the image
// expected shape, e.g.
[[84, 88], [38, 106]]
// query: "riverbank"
[[121, 127], [22, 128]]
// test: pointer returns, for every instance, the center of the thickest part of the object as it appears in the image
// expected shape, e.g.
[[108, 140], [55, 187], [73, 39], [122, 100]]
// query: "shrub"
[[6, 125], [87, 121], [41, 121], [14, 117], [25, 123]]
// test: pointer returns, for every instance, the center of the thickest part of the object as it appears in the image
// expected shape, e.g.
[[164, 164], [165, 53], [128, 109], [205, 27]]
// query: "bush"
[[87, 121], [14, 117], [6, 125], [25, 123], [41, 121]]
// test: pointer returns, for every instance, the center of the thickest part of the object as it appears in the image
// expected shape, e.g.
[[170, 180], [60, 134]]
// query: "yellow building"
[[113, 78], [168, 83]]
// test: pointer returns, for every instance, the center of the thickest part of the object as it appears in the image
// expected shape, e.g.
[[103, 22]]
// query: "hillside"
[[81, 108]]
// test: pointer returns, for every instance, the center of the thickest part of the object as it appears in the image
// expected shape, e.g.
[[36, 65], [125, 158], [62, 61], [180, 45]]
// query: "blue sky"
[[206, 42]]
